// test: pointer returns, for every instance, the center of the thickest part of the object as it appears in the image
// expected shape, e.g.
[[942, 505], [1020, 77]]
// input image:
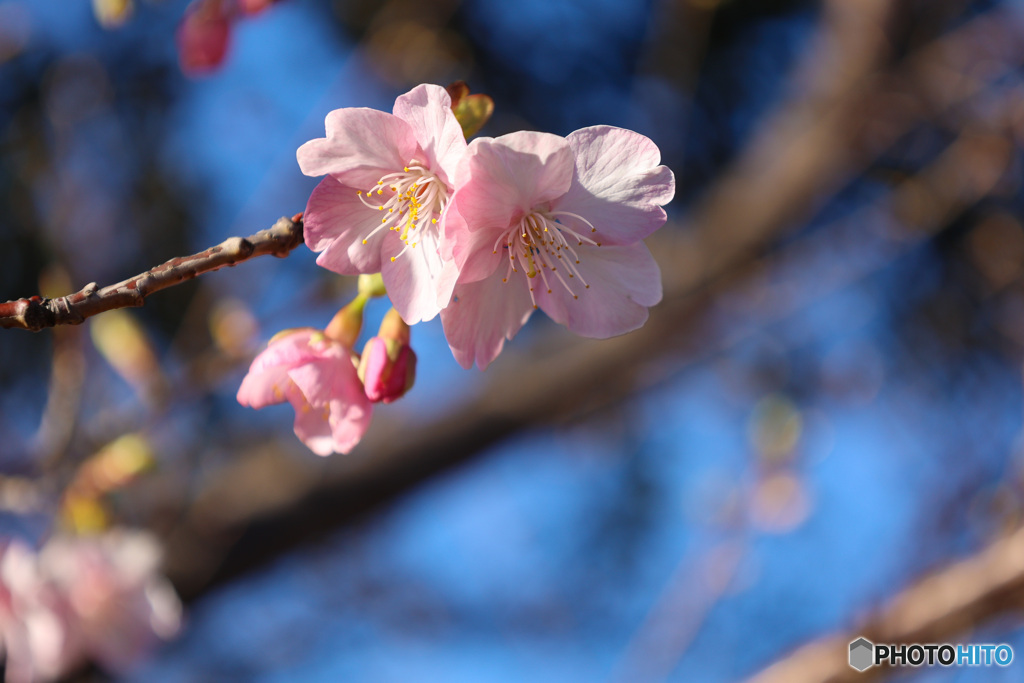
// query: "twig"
[[36, 313]]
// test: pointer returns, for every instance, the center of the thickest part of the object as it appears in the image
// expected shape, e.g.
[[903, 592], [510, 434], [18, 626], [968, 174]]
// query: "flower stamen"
[[416, 195]]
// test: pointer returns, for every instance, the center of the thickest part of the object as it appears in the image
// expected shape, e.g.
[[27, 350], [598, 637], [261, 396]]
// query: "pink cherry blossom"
[[317, 376], [94, 598], [382, 206], [541, 221]]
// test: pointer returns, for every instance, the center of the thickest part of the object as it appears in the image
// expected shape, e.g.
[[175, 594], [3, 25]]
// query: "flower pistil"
[[542, 242]]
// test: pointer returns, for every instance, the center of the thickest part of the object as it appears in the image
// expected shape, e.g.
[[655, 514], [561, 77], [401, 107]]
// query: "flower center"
[[543, 245], [409, 198]]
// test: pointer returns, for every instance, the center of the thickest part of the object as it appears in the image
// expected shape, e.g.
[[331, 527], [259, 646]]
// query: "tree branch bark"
[[37, 313]]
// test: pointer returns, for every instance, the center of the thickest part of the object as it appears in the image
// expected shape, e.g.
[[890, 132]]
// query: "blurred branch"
[[35, 313], [936, 609]]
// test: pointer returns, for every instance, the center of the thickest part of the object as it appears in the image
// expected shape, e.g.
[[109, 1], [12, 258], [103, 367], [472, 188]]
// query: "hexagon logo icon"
[[862, 654]]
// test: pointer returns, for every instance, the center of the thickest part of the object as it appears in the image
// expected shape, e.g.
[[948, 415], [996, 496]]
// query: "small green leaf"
[[472, 112]]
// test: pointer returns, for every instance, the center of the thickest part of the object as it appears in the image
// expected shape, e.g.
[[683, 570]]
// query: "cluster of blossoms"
[[79, 599], [481, 234]]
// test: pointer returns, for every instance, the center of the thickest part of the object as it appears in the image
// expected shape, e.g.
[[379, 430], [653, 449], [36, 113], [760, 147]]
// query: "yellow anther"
[[384, 220], [364, 241], [504, 279], [380, 208], [380, 191], [380, 182], [406, 169], [434, 220], [359, 192], [392, 259]]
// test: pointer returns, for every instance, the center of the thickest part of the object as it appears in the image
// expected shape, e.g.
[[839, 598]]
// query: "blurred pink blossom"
[[249, 7], [317, 375], [382, 208], [566, 216], [79, 599], [203, 36]]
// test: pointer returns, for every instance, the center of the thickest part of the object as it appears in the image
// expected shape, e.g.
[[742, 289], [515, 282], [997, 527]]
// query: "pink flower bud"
[[388, 364], [203, 37]]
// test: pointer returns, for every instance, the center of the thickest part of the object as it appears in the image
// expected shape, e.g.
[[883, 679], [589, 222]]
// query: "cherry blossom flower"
[[316, 374], [382, 208], [541, 221], [96, 598]]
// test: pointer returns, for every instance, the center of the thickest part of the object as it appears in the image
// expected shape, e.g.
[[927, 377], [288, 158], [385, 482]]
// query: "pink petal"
[[263, 389], [311, 425], [336, 222], [361, 146], [419, 280], [267, 380], [624, 281], [471, 251], [482, 315], [338, 411], [321, 379], [619, 186], [500, 179], [349, 422], [428, 111]]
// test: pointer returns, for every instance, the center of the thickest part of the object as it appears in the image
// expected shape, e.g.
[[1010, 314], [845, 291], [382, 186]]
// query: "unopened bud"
[[346, 324], [388, 364]]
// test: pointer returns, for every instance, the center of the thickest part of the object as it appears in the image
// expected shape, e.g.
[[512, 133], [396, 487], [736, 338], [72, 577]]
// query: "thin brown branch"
[[936, 609], [36, 313]]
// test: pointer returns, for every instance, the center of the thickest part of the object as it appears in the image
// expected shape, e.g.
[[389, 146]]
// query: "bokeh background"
[[826, 407]]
